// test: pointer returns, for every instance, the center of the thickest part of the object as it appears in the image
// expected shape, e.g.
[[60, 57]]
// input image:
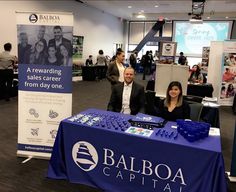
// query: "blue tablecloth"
[[113, 160]]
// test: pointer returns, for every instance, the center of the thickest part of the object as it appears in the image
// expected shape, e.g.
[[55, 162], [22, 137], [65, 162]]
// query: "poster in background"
[[205, 56], [228, 86], [45, 79], [168, 52], [205, 59], [77, 55]]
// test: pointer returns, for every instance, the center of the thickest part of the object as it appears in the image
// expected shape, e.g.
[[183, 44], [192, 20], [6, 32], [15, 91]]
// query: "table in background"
[[123, 162], [90, 73], [201, 90], [14, 90]]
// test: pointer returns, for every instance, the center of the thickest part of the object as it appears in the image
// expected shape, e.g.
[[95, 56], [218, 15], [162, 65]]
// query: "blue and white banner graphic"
[[228, 84], [45, 79]]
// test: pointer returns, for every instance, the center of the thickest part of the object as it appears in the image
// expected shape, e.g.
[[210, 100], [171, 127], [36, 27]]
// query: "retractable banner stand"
[[45, 79]]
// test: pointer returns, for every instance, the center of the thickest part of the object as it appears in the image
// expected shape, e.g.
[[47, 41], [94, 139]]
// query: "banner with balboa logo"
[[45, 79]]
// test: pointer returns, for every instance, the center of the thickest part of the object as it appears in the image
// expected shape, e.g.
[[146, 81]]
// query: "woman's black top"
[[181, 112]]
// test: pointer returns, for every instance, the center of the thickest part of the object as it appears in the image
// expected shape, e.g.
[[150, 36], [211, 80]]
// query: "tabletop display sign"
[[168, 52], [78, 47], [168, 73], [77, 55], [45, 79], [205, 57], [228, 85]]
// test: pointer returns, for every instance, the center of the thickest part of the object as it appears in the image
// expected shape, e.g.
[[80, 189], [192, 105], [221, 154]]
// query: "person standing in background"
[[7, 63], [151, 59], [101, 59], [182, 59], [133, 59], [146, 64], [114, 56], [115, 72]]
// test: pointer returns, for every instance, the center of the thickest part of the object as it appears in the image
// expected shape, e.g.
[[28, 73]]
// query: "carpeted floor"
[[30, 177]]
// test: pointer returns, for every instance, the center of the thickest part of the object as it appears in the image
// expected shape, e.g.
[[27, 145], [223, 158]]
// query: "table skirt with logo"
[[116, 161]]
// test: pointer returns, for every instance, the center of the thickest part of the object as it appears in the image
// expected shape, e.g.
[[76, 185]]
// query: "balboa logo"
[[168, 47], [85, 155], [33, 18]]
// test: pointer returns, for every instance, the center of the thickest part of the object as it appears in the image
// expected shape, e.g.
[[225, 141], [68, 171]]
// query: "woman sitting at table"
[[196, 75], [173, 107]]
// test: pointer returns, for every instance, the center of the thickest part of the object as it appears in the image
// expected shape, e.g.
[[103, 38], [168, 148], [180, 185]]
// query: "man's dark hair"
[[100, 52], [57, 27], [7, 47]]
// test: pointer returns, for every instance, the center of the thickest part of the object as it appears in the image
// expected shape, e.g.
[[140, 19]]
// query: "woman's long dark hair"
[[230, 87], [197, 72], [180, 97]]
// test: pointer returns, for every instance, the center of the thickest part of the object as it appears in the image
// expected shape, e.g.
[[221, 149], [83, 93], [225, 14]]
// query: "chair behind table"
[[151, 101], [195, 110]]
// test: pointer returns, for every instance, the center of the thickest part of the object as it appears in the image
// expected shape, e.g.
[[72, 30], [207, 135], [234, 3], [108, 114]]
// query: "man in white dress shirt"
[[7, 62], [127, 97]]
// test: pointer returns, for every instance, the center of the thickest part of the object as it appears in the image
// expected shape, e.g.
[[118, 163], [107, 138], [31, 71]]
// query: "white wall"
[[100, 30]]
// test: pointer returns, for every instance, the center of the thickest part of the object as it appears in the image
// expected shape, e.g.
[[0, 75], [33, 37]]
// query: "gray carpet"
[[30, 177]]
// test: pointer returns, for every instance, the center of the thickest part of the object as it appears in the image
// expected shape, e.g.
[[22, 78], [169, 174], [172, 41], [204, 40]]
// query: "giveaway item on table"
[[109, 120], [167, 134], [147, 121], [192, 130], [139, 131]]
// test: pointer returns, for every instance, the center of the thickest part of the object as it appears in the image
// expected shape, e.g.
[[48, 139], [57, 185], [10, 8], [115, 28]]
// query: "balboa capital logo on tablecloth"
[[128, 168], [85, 155]]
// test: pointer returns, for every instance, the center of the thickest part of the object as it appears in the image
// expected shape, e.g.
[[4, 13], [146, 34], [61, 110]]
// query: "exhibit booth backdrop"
[[219, 60]]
